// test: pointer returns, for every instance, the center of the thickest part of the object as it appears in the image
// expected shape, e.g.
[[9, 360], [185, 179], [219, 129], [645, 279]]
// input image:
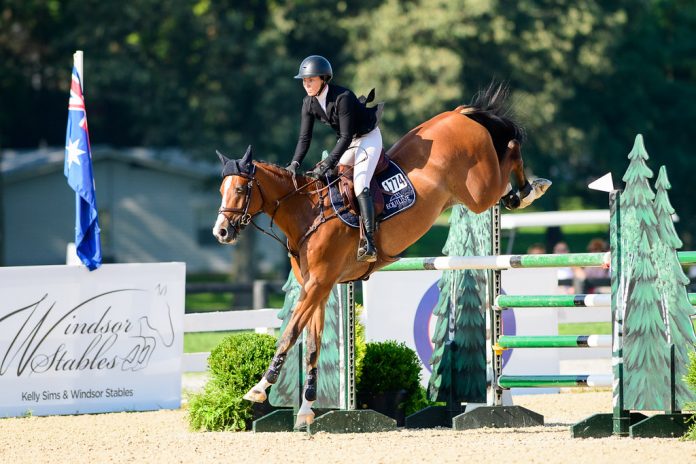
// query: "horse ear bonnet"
[[232, 167]]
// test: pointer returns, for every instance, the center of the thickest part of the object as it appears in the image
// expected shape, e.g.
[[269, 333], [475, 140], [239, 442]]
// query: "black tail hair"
[[491, 108]]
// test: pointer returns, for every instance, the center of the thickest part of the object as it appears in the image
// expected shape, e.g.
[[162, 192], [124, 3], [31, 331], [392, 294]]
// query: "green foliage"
[[389, 367], [236, 364], [360, 344], [690, 379], [218, 408]]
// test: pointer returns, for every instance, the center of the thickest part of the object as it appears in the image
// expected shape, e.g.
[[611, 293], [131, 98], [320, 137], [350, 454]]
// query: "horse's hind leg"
[[305, 415], [525, 193]]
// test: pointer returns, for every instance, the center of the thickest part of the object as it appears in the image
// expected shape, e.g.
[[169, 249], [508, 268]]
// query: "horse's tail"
[[491, 108]]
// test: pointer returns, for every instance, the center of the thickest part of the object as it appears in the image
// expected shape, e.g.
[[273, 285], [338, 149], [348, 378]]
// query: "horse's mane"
[[491, 108], [278, 171]]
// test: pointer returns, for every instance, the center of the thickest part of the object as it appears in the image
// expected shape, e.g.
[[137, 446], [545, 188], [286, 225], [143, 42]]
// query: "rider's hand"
[[320, 170], [292, 168]]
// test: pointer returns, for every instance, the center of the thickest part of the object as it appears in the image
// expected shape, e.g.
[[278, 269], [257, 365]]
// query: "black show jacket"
[[344, 113]]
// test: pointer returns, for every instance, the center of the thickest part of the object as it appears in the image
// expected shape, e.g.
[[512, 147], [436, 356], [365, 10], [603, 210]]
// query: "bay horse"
[[461, 156]]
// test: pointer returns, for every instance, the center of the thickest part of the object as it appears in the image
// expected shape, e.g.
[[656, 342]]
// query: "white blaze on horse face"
[[222, 219]]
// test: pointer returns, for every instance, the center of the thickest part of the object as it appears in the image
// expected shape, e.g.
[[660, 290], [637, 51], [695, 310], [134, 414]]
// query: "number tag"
[[394, 183]]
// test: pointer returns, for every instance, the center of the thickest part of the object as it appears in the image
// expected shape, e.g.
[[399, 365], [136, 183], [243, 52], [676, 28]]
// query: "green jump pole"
[[542, 381], [597, 300], [554, 341]]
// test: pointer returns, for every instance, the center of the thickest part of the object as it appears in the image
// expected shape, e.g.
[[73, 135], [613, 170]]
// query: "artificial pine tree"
[[459, 363], [440, 383], [677, 310], [284, 392], [645, 350], [329, 387]]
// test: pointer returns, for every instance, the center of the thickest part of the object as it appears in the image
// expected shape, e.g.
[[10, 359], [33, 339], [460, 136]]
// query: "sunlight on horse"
[[462, 156]]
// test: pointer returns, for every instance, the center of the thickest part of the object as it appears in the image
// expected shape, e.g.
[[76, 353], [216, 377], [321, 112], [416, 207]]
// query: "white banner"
[[74, 341]]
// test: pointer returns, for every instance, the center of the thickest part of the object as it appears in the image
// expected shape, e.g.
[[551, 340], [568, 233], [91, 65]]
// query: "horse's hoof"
[[255, 395], [511, 200], [539, 187], [303, 420]]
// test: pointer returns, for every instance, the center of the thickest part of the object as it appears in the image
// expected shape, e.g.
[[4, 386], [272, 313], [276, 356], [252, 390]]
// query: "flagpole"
[[77, 62]]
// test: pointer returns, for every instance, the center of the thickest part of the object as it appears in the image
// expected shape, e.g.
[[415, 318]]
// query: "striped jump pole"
[[543, 381], [500, 262], [503, 262], [554, 341], [560, 301]]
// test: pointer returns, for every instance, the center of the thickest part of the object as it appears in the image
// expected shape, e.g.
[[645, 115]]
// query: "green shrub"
[[389, 367], [236, 364], [690, 379], [359, 343], [218, 409]]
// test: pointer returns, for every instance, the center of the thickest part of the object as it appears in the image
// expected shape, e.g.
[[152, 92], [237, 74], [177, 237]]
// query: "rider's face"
[[312, 85]]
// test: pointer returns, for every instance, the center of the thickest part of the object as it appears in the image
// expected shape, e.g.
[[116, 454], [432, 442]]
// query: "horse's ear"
[[246, 160], [222, 157]]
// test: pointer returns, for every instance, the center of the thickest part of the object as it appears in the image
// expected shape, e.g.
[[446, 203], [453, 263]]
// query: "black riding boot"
[[367, 251]]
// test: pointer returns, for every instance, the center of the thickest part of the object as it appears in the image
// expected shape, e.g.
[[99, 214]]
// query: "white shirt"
[[322, 97]]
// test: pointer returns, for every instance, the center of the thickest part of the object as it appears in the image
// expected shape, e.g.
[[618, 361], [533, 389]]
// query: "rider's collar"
[[321, 98]]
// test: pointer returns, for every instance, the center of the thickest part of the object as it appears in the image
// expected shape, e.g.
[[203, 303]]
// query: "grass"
[[207, 302], [201, 342]]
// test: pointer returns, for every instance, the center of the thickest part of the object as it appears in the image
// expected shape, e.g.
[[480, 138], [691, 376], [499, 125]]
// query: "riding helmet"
[[315, 65]]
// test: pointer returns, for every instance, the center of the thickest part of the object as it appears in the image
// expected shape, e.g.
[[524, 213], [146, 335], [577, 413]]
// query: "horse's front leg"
[[305, 415], [312, 298]]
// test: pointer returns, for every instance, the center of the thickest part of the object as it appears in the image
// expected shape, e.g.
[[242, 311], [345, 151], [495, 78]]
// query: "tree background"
[[586, 75]]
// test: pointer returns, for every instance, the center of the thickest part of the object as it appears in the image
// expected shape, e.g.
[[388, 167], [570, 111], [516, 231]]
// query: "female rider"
[[359, 139]]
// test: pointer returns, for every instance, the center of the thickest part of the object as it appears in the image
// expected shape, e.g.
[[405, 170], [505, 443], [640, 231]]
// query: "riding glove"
[[321, 169], [292, 168]]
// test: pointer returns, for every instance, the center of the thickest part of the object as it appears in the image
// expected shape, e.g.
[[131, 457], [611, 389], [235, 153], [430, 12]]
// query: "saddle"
[[345, 186]]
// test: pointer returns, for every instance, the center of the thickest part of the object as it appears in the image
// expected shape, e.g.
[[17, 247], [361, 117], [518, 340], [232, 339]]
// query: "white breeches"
[[363, 155]]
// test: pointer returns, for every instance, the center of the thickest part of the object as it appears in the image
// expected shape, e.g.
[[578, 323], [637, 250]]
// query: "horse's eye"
[[240, 189]]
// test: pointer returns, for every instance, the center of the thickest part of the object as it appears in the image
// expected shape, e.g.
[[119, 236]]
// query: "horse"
[[464, 156]]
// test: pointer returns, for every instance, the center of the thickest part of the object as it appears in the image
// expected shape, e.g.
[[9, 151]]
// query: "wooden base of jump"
[[331, 421], [497, 417], [433, 416], [669, 425]]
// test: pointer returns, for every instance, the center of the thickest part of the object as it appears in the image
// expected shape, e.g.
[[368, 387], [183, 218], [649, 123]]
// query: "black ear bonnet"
[[237, 167]]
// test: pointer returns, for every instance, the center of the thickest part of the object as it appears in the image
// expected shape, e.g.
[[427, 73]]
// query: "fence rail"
[[260, 320]]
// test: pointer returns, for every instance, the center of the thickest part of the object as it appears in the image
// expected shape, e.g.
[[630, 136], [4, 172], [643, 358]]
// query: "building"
[[154, 205]]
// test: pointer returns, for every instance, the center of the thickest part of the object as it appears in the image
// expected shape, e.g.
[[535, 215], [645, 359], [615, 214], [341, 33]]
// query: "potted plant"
[[389, 380]]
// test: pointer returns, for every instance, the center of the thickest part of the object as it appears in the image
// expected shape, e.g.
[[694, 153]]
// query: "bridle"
[[245, 219]]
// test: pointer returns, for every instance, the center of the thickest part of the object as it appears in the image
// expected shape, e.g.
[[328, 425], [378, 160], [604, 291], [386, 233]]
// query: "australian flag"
[[78, 170]]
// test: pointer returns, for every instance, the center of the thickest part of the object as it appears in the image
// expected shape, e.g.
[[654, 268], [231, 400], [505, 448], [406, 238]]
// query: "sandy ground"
[[163, 436]]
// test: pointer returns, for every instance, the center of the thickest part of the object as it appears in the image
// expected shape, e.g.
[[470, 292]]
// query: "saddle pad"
[[395, 186]]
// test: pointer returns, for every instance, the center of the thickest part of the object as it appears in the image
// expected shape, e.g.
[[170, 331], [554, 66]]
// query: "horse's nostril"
[[223, 232]]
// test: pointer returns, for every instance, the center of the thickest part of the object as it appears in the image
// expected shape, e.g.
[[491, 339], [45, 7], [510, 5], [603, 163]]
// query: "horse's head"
[[239, 204]]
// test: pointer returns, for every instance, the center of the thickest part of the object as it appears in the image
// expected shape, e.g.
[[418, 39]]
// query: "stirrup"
[[367, 253]]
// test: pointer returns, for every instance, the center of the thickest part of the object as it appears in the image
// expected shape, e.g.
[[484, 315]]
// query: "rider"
[[359, 139]]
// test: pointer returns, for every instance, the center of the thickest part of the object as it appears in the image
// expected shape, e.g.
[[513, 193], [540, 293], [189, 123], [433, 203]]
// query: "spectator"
[[536, 249], [597, 278], [567, 276]]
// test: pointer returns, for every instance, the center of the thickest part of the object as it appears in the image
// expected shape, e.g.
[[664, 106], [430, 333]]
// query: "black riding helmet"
[[315, 65]]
